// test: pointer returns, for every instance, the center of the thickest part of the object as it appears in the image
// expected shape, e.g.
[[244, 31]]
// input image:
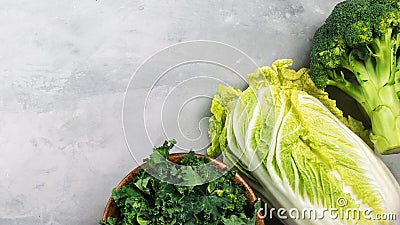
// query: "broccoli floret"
[[357, 50]]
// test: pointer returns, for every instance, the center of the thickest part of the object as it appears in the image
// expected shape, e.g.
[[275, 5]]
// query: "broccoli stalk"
[[357, 50]]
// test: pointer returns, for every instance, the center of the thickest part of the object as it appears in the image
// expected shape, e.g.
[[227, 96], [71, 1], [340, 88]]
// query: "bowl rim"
[[111, 206]]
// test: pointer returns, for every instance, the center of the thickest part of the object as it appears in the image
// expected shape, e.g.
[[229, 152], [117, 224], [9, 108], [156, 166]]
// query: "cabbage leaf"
[[297, 150]]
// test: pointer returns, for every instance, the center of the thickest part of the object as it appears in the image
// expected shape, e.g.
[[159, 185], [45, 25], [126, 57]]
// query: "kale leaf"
[[148, 200]]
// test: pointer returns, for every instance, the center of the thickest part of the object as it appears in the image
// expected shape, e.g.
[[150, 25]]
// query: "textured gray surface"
[[64, 68]]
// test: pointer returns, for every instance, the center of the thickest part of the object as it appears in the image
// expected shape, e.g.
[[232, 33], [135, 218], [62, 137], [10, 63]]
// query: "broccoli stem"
[[377, 75], [385, 120]]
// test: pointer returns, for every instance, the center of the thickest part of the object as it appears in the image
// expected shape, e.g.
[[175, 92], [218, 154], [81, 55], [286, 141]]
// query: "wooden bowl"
[[111, 209]]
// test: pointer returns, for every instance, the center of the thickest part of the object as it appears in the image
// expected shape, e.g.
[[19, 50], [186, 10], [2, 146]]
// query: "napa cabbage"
[[297, 153]]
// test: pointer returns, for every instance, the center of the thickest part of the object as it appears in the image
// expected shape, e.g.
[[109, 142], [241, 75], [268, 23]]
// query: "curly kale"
[[148, 200]]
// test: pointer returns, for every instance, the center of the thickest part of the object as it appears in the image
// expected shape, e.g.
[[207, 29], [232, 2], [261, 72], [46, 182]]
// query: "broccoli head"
[[357, 51]]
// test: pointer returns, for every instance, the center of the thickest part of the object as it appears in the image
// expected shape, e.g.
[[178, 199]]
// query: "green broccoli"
[[357, 51]]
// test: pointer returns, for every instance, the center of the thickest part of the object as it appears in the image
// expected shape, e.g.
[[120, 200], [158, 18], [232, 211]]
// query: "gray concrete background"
[[64, 67]]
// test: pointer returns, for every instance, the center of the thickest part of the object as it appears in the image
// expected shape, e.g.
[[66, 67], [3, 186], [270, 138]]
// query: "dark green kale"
[[149, 200]]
